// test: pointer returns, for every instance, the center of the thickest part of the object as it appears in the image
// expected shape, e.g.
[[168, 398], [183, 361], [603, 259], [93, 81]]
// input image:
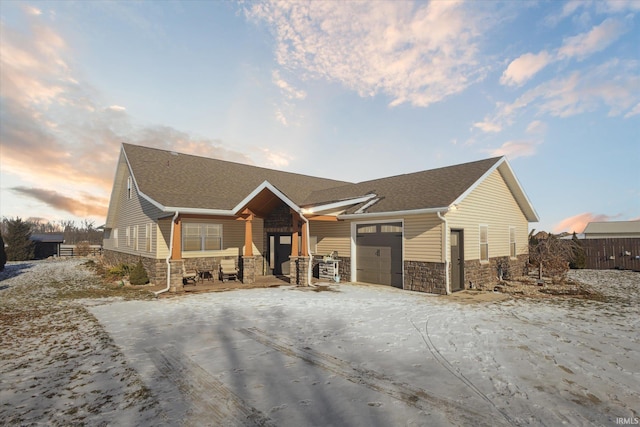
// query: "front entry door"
[[279, 253], [457, 260]]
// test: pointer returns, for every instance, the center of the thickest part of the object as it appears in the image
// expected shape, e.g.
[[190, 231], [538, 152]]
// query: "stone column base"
[[175, 282], [299, 269], [248, 270]]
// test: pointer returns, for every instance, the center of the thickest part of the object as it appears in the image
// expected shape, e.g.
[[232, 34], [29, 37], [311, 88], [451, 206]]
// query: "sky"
[[345, 90]]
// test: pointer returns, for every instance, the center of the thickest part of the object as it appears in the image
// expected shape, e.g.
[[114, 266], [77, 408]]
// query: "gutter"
[[444, 253], [310, 266], [167, 260], [393, 213]]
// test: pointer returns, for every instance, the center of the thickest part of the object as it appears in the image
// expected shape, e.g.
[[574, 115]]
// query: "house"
[[436, 231], [46, 244], [612, 229]]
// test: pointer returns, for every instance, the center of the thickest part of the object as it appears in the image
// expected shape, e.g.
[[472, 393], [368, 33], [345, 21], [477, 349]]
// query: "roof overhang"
[[245, 203], [316, 209], [395, 213]]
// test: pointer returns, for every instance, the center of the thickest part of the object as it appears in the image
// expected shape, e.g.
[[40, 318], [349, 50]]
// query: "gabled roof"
[[435, 188], [181, 180], [613, 227], [174, 181]]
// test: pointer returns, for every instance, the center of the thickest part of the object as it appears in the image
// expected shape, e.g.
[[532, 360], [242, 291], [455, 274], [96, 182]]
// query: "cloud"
[[277, 160], [613, 85], [524, 67], [289, 91], [577, 223], [84, 206], [514, 149], [536, 127], [56, 131], [487, 126], [595, 40], [413, 53]]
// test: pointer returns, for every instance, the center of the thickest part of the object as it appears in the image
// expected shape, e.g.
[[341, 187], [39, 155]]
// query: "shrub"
[[83, 248], [19, 245], [579, 258], [119, 270], [138, 275]]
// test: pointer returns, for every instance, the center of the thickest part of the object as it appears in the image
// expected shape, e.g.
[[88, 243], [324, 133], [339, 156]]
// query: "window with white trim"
[[115, 237], [135, 237], [484, 243], [201, 237], [128, 236], [512, 242], [129, 186], [148, 235]]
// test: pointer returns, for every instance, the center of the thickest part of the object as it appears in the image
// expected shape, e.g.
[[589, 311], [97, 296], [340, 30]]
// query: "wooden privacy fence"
[[610, 253], [71, 250]]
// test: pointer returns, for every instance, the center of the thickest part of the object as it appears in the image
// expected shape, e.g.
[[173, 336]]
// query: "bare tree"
[[550, 255]]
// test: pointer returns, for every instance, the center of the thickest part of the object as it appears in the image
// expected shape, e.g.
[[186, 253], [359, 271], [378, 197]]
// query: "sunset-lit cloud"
[[56, 131], [416, 54], [577, 223], [85, 205]]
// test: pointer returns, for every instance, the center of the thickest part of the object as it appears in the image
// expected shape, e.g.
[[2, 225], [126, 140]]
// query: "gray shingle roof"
[[435, 188], [182, 180], [187, 181]]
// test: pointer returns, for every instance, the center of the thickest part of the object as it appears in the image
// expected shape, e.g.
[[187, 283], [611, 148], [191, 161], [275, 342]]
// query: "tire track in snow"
[[413, 396], [211, 402]]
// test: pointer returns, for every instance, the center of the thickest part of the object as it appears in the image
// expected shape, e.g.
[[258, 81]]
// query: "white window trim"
[[136, 238], [201, 224], [480, 243], [148, 237], [514, 243], [128, 235], [129, 188], [115, 237]]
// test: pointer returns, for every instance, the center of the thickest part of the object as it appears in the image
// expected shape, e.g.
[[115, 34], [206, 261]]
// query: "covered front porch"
[[271, 238]]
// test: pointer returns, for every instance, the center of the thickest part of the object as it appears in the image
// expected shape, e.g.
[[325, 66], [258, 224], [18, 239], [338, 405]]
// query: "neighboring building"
[[612, 229], [47, 244], [432, 231], [614, 244]]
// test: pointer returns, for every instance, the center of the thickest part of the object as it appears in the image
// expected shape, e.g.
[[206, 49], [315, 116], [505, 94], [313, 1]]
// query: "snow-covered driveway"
[[375, 356]]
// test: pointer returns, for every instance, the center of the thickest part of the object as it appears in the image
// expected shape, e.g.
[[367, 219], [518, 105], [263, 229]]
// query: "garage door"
[[379, 253]]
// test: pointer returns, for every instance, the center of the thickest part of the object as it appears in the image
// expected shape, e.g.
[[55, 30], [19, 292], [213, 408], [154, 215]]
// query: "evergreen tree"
[[19, 245], [579, 259], [138, 275], [3, 254]]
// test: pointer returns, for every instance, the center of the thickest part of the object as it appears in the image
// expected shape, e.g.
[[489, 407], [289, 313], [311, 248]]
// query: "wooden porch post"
[[305, 245], [248, 235], [176, 253], [294, 236]]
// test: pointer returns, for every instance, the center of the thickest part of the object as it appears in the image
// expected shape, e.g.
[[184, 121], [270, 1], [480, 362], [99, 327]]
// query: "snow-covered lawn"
[[365, 356]]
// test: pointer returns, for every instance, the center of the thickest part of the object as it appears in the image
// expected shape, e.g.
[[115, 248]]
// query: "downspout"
[[444, 253], [167, 260], [310, 266]]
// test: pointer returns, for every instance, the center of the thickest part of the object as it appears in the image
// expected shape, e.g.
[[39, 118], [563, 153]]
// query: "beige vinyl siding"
[[232, 237], [332, 236], [163, 235], [493, 205], [423, 238], [132, 212]]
